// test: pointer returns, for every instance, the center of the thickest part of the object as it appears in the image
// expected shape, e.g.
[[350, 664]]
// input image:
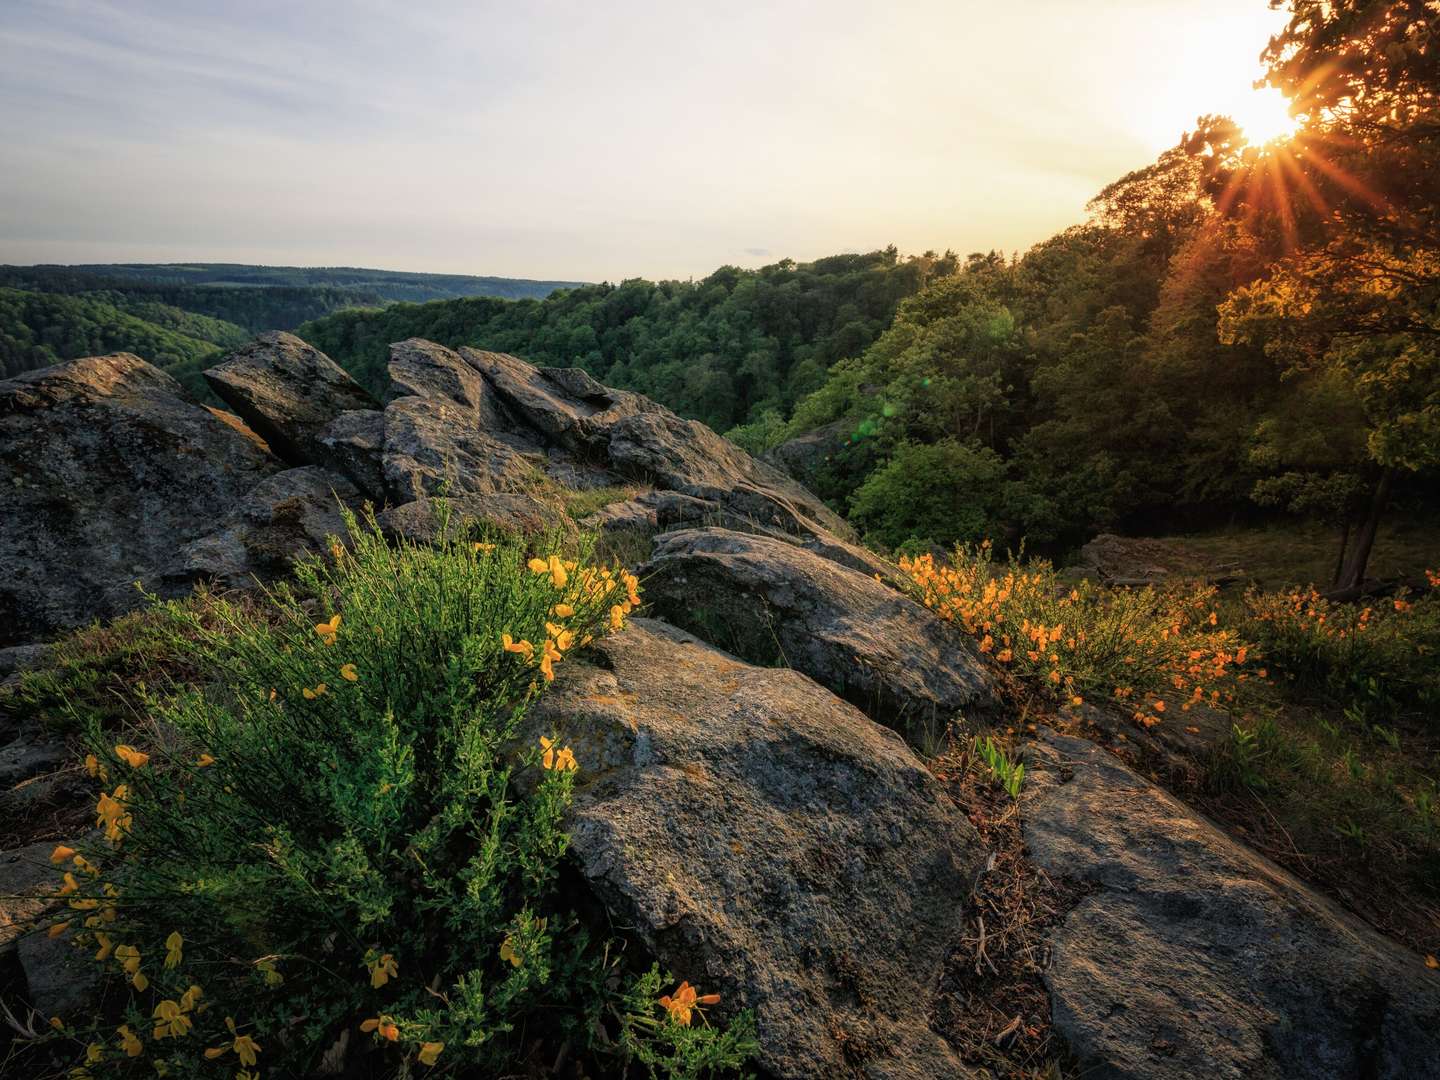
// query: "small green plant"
[[660, 1032], [1010, 775], [1353, 832], [338, 847]]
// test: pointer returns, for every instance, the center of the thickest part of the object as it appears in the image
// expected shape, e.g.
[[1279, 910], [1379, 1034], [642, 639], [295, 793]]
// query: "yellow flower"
[[267, 971], [106, 947], [558, 575], [564, 611], [348, 673], [328, 630], [685, 1000], [430, 1051], [61, 853], [132, 757], [482, 547], [140, 981], [128, 1041], [57, 1023], [507, 952], [337, 552], [524, 648], [565, 761], [170, 1020], [173, 946], [311, 695], [563, 638], [95, 769], [70, 885], [243, 1045], [204, 761], [58, 929], [547, 745], [382, 970], [190, 997], [129, 957], [93, 1053], [538, 566], [382, 1026], [617, 617], [547, 661]]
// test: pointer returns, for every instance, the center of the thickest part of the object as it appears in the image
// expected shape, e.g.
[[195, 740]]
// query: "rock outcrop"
[[769, 843], [775, 603], [287, 392], [1195, 956], [109, 468]]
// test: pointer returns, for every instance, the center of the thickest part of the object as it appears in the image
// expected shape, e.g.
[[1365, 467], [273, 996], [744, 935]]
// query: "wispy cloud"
[[562, 139]]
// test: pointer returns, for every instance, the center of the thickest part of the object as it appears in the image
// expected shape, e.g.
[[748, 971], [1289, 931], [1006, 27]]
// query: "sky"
[[587, 141]]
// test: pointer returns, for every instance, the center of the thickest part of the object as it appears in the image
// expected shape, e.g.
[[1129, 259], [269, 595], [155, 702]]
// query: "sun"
[[1263, 115]]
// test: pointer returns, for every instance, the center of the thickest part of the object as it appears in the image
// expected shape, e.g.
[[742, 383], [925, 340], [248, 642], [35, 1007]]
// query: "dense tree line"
[[1237, 326], [257, 298], [40, 329], [736, 347]]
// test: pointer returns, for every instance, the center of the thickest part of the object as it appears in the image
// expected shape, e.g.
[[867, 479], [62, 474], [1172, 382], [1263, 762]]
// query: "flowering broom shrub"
[[334, 852], [1154, 648], [1364, 656]]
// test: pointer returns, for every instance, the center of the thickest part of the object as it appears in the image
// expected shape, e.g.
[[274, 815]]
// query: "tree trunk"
[[1340, 558], [1353, 572]]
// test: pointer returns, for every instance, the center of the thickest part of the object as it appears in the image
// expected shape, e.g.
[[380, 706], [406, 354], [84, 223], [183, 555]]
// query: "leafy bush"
[[338, 848], [1373, 658], [1151, 647], [944, 493]]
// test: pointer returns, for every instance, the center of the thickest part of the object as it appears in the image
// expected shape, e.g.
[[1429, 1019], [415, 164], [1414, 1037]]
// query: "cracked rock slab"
[[1197, 957], [769, 843], [774, 602]]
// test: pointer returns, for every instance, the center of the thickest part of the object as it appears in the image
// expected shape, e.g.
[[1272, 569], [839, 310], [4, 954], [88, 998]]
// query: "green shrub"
[[337, 846], [1373, 658], [945, 493]]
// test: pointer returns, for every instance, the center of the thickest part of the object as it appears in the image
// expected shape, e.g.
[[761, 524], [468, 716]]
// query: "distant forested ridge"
[[179, 316], [736, 347], [40, 329]]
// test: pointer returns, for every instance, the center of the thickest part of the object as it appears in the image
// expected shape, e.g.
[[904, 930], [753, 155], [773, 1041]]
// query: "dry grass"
[[993, 1006], [1281, 556]]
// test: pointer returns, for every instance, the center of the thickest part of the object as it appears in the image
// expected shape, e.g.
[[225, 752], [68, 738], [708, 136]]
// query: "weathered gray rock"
[[772, 602], [524, 515], [108, 468], [432, 447], [1178, 747], [60, 980], [647, 442], [27, 886], [420, 368], [657, 511], [19, 658], [353, 444], [1196, 957], [285, 516], [652, 511], [803, 456], [287, 392], [768, 843]]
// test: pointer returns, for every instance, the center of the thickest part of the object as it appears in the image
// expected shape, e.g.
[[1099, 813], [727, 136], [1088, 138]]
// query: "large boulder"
[[645, 441], [428, 520], [1194, 956], [773, 602], [282, 518], [288, 392], [109, 468], [769, 843]]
